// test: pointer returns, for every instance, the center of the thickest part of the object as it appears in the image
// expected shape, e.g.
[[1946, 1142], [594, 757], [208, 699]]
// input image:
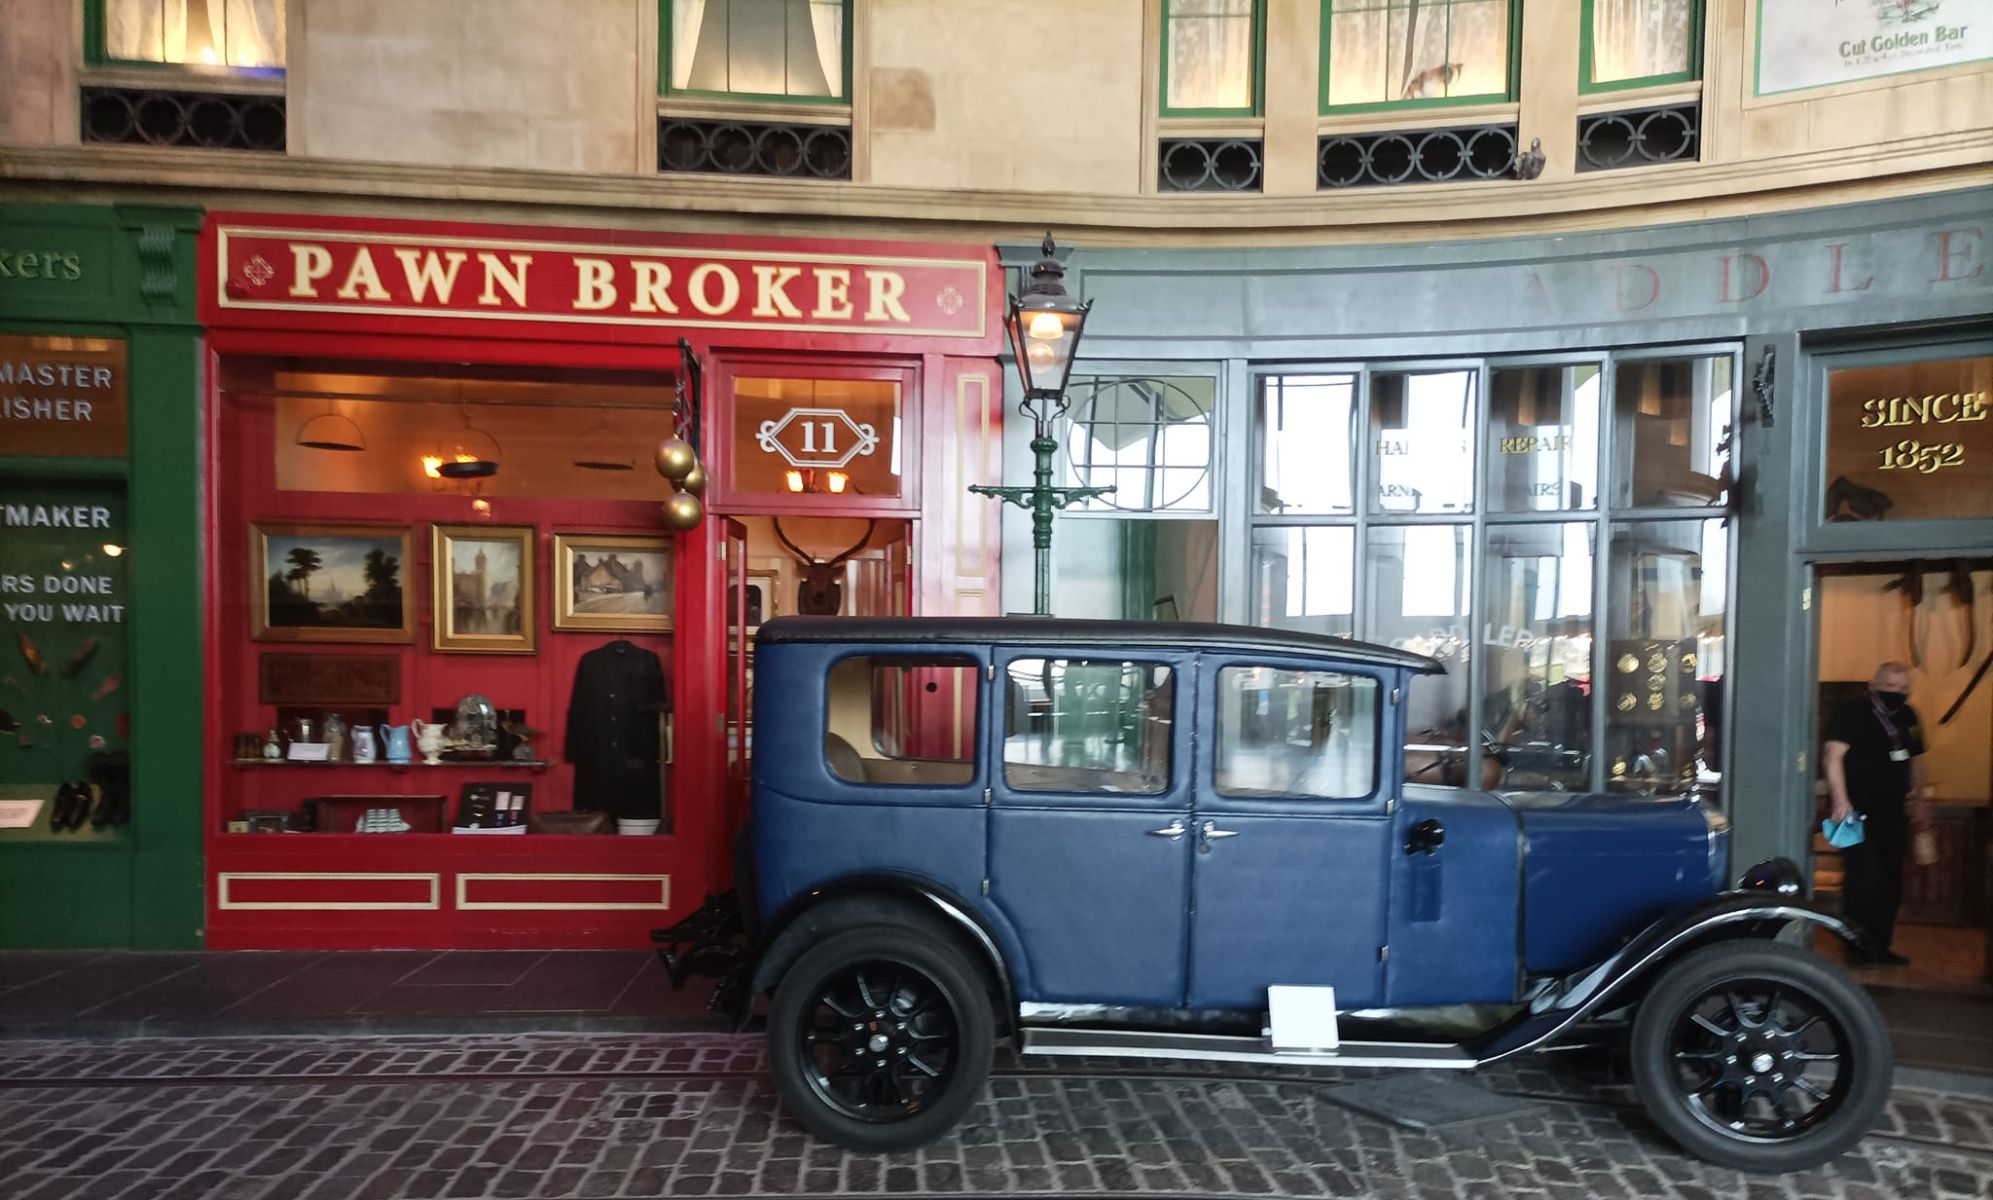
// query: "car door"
[[1089, 848], [1289, 867]]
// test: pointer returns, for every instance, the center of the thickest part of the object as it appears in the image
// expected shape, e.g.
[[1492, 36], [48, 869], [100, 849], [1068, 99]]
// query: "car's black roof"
[[1043, 630]]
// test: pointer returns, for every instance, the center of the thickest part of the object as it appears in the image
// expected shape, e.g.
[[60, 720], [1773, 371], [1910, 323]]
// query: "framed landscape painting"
[[484, 583], [330, 583], [612, 582]]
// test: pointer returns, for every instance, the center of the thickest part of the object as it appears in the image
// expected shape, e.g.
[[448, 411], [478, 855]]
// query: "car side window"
[[1290, 733], [1087, 725], [901, 721]]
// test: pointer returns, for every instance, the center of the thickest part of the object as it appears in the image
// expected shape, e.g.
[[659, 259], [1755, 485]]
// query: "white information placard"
[[19, 814], [1819, 43], [1302, 1018]]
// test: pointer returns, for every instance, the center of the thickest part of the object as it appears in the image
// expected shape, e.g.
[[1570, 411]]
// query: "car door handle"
[[1211, 833], [1172, 831]]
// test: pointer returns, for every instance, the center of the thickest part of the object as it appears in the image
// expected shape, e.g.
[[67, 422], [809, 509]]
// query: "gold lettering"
[[1874, 412], [652, 280], [596, 288], [1972, 407], [1913, 406], [362, 276], [425, 275], [833, 294], [497, 276], [771, 299], [887, 288], [1938, 408], [729, 288], [309, 264]]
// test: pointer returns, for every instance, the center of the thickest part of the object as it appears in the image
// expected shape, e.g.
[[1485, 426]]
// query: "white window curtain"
[[704, 66], [1210, 54], [233, 33], [827, 23], [687, 16]]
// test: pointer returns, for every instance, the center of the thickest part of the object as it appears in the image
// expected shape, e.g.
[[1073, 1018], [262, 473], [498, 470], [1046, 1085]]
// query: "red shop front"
[[466, 687]]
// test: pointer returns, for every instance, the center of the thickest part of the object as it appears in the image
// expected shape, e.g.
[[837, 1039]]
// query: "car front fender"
[[1566, 1002]]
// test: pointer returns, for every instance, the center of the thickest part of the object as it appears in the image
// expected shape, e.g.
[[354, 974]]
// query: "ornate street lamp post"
[[1044, 325]]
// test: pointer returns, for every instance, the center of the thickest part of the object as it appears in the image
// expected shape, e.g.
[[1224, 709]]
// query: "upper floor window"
[[243, 34], [791, 50], [1635, 43], [1211, 57], [1401, 52]]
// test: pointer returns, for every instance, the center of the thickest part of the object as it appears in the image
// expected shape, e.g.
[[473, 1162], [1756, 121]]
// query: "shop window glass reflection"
[[1671, 431], [1305, 578], [1665, 657], [1148, 439], [1135, 569], [1421, 441], [1536, 639], [1543, 438], [1305, 427], [1417, 597], [1910, 441]]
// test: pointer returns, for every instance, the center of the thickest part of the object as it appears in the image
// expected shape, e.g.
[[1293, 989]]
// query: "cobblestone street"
[[351, 1118]]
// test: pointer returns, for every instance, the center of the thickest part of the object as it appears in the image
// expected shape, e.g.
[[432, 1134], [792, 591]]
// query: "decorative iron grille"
[[1413, 156], [753, 148], [207, 120], [1209, 165], [1639, 137]]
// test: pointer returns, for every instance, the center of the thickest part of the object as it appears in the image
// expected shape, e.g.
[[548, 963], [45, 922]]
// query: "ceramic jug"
[[429, 739], [363, 743], [395, 738]]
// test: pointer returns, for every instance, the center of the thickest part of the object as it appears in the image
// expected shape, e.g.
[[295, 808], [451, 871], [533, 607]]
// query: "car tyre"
[[1760, 1056], [880, 1038]]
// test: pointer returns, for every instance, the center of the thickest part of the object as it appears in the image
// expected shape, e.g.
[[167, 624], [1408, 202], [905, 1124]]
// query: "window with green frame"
[[246, 35], [1639, 43], [1211, 57], [788, 50], [1404, 53]]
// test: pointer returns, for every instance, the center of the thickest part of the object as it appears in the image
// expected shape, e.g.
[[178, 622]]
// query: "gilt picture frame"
[[612, 583], [311, 582], [485, 589]]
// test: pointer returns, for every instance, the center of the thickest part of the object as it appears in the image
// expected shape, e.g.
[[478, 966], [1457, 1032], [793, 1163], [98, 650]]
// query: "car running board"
[[1207, 1047]]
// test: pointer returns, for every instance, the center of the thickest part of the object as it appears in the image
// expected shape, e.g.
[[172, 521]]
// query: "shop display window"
[[1671, 431], [1136, 569], [451, 572], [1417, 595], [1304, 577], [1537, 643], [1543, 438], [1148, 439], [1910, 441], [1085, 726], [1422, 441], [1306, 428], [1286, 733], [1666, 594], [831, 437]]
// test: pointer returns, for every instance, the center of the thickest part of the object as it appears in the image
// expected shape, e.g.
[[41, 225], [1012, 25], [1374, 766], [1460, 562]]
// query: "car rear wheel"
[[880, 1038], [1760, 1056]]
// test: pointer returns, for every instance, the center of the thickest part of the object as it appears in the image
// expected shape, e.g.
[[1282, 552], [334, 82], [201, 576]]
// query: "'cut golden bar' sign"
[[62, 396]]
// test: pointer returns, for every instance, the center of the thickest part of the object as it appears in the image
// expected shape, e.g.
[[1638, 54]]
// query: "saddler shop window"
[[1212, 50], [782, 50], [1638, 43], [1910, 440], [1390, 53], [244, 35]]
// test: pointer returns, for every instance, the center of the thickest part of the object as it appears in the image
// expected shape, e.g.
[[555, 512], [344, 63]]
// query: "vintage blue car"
[[1180, 841]]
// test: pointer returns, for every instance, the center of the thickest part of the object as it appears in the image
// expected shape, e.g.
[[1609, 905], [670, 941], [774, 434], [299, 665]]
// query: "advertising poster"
[[1819, 43]]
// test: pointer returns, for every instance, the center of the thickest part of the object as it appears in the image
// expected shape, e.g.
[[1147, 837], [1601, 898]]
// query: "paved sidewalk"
[[563, 1115]]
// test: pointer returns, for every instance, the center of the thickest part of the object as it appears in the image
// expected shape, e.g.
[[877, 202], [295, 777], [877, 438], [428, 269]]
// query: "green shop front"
[[100, 578]]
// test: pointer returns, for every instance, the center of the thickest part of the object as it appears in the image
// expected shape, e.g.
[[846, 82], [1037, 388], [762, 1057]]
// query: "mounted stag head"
[[820, 594]]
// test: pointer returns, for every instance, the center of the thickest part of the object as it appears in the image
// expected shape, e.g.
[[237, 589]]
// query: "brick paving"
[[410, 1118]]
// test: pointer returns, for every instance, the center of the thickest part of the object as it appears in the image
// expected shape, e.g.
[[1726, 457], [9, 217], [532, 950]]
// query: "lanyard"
[[1889, 726]]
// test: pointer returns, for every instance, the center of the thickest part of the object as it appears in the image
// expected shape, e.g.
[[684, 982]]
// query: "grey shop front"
[[1604, 476]]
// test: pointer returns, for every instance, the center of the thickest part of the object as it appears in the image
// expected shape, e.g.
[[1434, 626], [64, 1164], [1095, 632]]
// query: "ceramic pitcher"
[[429, 739], [395, 738], [363, 743]]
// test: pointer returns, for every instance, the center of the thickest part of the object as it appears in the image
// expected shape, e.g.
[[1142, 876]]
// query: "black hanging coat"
[[612, 730]]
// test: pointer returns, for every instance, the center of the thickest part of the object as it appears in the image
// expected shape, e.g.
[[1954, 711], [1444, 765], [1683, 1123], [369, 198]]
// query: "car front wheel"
[[1762, 1057], [880, 1038]]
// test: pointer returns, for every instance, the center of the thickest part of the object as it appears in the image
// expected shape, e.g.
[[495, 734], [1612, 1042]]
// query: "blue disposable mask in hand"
[[1843, 834]]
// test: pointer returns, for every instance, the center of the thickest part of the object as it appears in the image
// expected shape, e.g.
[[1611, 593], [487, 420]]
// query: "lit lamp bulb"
[[1046, 327], [113, 549], [794, 480], [432, 466], [838, 480], [1041, 356]]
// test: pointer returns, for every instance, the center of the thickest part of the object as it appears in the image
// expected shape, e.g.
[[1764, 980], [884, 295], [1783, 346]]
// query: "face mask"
[[1892, 701]]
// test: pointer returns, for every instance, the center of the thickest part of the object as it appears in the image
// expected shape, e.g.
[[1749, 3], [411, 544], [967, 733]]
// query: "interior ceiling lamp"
[[805, 482], [476, 455], [602, 450], [330, 430]]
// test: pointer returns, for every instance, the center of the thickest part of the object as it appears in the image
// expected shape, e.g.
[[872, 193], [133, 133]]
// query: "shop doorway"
[[828, 566], [1935, 616]]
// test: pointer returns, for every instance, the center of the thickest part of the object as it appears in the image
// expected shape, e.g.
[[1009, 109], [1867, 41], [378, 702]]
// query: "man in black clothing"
[[1875, 767]]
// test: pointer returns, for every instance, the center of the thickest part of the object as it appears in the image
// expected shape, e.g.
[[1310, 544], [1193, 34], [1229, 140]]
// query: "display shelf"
[[486, 764]]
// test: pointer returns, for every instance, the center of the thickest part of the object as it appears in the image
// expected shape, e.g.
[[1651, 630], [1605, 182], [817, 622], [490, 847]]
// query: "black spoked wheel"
[[880, 1038], [1762, 1057]]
